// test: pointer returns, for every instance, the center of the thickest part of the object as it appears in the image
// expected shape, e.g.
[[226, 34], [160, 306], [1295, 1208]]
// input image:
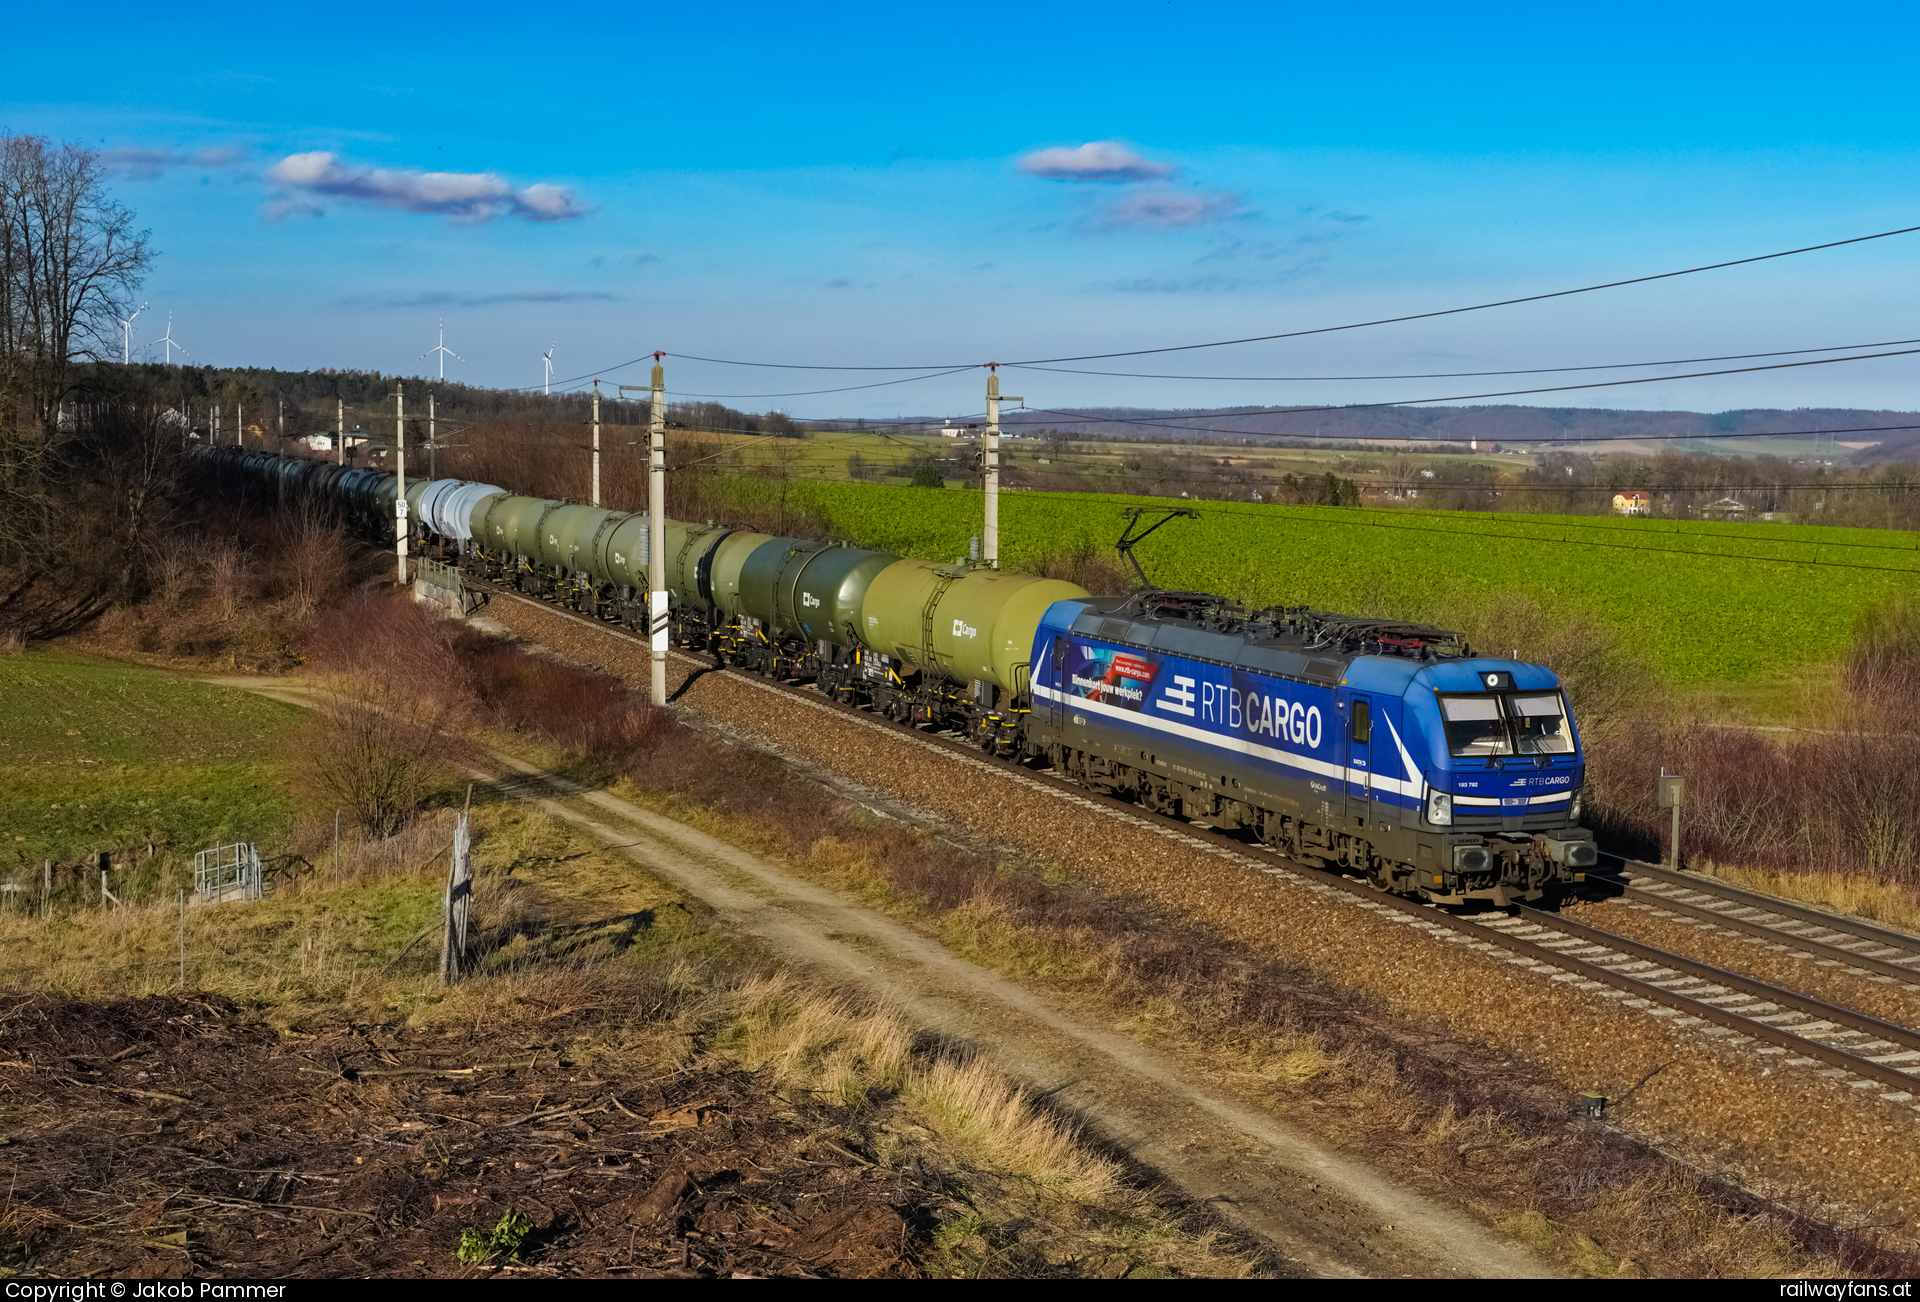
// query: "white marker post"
[[400, 482], [657, 530], [990, 458]]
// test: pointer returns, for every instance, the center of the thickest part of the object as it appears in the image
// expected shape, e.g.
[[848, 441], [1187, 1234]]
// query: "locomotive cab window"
[[1475, 726], [1362, 723], [1540, 724]]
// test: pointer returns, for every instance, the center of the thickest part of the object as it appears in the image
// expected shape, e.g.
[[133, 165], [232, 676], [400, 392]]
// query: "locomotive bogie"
[[1338, 761], [1387, 751]]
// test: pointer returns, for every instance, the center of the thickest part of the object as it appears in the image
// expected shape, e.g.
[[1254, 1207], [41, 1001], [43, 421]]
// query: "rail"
[[1879, 965], [1542, 950]]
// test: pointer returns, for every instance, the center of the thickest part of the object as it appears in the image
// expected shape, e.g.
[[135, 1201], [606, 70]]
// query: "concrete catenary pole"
[[340, 414], [433, 440], [657, 529], [990, 455], [594, 496], [400, 481]]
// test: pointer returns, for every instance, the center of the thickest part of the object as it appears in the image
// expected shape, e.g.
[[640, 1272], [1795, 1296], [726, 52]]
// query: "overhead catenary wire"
[[1457, 375], [1334, 329], [1451, 441], [1471, 397]]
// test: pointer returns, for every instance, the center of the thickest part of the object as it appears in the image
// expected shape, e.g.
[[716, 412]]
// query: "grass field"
[[1705, 602], [97, 755], [890, 455]]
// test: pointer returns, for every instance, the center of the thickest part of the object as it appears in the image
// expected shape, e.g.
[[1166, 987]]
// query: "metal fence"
[[447, 586], [228, 872]]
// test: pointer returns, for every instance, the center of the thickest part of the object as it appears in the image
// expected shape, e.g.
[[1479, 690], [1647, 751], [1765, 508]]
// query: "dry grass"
[[974, 1106], [1610, 1208], [571, 939], [1312, 1052], [1896, 905]]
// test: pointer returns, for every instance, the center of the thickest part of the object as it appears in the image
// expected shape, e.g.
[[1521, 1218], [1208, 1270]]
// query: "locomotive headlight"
[[1439, 808], [1573, 810]]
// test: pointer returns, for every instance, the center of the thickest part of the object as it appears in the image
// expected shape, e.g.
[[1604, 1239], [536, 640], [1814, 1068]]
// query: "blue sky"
[[868, 185]]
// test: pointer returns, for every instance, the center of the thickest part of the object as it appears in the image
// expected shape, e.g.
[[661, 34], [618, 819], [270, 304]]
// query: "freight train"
[[1386, 749]]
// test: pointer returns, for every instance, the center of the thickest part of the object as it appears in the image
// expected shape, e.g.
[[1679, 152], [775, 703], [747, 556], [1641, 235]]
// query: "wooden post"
[[453, 941]]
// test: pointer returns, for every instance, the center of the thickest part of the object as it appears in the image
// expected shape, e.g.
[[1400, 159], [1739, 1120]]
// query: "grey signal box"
[[1672, 791]]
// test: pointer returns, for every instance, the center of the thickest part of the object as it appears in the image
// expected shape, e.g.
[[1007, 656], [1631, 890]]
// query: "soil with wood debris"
[[167, 1137]]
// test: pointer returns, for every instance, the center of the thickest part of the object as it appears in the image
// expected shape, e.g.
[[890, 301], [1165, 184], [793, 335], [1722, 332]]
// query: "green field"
[[97, 755], [1705, 602], [889, 456]]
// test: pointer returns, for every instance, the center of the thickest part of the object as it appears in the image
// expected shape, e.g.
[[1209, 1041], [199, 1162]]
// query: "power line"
[[1452, 375], [1468, 397], [878, 384], [1477, 307], [1355, 325], [1514, 438]]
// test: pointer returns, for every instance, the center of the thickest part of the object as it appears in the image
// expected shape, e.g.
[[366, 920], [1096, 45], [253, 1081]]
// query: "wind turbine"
[[444, 351], [126, 334], [170, 342], [547, 357]]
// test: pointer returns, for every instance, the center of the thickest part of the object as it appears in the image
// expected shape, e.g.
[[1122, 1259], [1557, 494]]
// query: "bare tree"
[[73, 259], [70, 259]]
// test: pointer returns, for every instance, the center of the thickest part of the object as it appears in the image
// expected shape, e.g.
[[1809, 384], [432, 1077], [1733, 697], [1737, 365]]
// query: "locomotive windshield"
[[1474, 726], [1532, 723], [1540, 724]]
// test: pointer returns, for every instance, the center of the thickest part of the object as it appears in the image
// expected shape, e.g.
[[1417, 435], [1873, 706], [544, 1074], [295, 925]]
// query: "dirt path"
[[1328, 1213]]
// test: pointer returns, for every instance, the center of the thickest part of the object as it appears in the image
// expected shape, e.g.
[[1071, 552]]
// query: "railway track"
[[1851, 1047], [1825, 937]]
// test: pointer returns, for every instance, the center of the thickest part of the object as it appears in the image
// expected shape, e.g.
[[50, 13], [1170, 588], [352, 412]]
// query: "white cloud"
[[1168, 209], [464, 197], [150, 164], [1097, 160]]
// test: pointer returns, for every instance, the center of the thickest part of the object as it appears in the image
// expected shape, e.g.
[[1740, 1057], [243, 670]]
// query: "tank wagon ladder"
[[1870, 1051]]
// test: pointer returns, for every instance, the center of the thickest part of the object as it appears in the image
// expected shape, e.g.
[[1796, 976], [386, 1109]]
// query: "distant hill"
[[1501, 424]]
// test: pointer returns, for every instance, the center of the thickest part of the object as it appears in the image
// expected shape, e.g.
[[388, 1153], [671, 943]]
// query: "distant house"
[[1632, 502], [1726, 508], [320, 442]]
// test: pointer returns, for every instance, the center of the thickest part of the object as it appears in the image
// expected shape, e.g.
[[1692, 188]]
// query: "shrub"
[[378, 750], [503, 1240]]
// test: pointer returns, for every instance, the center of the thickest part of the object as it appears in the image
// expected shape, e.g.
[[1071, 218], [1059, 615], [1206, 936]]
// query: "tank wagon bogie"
[[1331, 739], [1387, 750]]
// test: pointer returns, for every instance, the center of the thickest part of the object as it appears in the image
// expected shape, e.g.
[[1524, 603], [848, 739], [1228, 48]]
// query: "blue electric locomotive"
[[1386, 748]]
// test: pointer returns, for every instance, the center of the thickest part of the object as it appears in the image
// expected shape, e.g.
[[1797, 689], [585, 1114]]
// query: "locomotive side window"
[[1474, 726], [1540, 723], [1362, 723]]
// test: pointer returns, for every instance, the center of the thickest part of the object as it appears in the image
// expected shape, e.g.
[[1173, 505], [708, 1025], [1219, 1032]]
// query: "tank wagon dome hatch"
[[1382, 747]]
